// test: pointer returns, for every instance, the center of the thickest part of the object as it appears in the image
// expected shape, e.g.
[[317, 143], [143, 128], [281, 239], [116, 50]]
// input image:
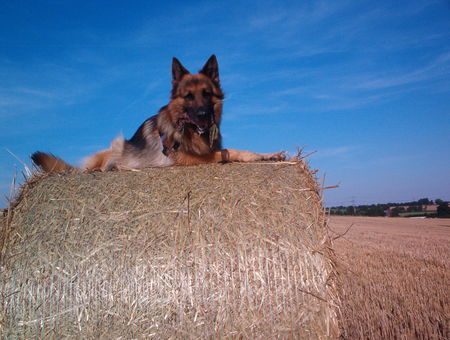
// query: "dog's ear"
[[178, 70], [211, 69]]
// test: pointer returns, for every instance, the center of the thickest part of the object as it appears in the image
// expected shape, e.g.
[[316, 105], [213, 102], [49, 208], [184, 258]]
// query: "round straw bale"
[[212, 251]]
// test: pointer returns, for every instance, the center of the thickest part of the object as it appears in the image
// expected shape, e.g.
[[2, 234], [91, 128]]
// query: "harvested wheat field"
[[213, 251], [395, 276]]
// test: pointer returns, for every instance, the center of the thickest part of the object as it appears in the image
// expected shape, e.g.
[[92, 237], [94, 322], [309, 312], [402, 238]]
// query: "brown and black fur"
[[184, 132]]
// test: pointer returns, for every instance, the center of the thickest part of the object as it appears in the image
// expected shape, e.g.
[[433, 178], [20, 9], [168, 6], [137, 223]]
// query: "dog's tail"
[[50, 163]]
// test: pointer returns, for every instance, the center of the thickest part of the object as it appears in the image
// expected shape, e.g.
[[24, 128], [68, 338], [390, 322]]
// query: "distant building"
[[395, 210], [430, 208]]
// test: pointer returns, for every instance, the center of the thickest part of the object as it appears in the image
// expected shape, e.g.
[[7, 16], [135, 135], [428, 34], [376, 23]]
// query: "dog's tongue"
[[202, 126]]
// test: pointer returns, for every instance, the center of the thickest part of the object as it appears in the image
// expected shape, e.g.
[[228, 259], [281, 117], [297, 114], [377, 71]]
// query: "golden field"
[[395, 277]]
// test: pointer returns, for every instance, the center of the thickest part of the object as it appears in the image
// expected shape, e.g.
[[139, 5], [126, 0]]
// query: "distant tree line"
[[414, 208]]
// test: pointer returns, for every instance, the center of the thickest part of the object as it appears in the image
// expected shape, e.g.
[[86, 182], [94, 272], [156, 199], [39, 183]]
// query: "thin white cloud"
[[22, 100], [185, 23], [324, 27], [294, 91], [302, 14], [52, 85], [435, 69], [343, 151], [261, 22], [237, 111]]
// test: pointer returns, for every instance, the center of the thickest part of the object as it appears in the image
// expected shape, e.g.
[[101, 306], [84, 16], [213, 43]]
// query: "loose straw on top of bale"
[[212, 251]]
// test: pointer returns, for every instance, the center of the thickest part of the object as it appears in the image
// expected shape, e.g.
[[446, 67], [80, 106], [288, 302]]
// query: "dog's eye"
[[207, 94], [189, 96]]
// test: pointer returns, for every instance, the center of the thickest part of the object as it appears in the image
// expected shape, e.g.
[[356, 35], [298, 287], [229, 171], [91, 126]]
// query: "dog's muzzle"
[[202, 119]]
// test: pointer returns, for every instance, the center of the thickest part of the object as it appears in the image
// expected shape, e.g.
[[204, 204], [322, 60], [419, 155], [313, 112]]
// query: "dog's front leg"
[[226, 155], [231, 155]]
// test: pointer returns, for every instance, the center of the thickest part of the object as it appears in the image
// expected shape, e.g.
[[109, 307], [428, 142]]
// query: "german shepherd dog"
[[184, 132]]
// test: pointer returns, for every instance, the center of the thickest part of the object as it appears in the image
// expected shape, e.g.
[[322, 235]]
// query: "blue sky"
[[366, 84]]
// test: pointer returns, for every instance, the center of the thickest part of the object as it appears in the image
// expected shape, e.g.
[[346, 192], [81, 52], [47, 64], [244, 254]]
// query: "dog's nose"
[[201, 113]]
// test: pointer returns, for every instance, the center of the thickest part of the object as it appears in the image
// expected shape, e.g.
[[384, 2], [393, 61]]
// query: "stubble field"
[[395, 276]]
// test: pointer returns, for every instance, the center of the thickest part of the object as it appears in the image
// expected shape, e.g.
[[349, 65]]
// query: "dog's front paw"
[[277, 156]]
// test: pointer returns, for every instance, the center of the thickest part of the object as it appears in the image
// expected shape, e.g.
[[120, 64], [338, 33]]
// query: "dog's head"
[[198, 97]]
